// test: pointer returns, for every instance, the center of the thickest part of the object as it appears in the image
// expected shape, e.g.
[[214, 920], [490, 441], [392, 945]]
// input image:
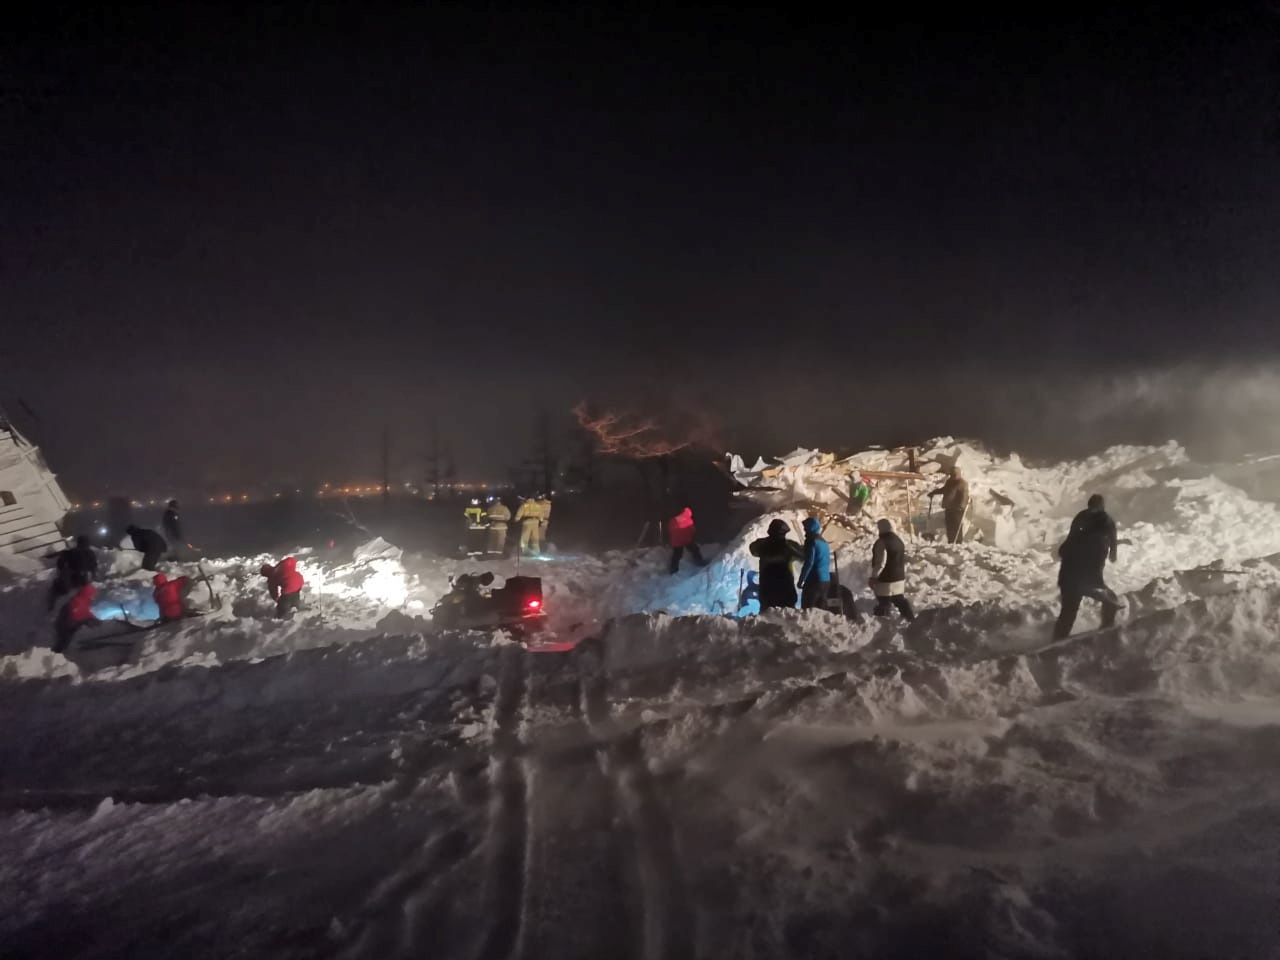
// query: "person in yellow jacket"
[[544, 513], [498, 516], [529, 516]]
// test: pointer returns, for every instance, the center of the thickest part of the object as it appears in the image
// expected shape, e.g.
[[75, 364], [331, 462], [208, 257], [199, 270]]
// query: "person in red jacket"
[[75, 613], [285, 584], [168, 594], [683, 536]]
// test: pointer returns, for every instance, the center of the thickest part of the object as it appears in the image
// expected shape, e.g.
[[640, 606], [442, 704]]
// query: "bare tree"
[[650, 442]]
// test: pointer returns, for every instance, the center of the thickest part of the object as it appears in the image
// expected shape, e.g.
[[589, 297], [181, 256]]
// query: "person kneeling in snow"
[[815, 574], [285, 584], [889, 573], [683, 536], [168, 595], [777, 553], [1084, 556], [75, 613]]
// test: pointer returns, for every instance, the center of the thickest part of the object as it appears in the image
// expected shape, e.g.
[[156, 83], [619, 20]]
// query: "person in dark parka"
[[1084, 554], [776, 554], [76, 567], [149, 543]]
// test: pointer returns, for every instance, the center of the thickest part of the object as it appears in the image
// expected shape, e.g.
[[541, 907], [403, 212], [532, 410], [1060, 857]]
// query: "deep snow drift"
[[683, 783]]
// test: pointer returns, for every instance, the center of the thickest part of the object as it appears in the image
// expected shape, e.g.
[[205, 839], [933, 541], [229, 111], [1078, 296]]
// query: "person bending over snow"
[[285, 584]]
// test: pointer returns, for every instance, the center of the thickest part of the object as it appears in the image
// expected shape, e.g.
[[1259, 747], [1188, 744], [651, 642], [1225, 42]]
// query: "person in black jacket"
[[150, 543], [1084, 554], [776, 554], [76, 567], [171, 524], [889, 573]]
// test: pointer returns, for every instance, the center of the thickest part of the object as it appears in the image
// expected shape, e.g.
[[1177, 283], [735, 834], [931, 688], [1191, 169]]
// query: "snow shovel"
[[215, 602], [964, 515]]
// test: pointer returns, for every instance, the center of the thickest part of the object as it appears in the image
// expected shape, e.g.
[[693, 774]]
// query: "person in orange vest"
[[168, 595], [75, 613]]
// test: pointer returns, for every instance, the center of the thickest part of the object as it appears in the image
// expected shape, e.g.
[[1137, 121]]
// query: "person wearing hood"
[[75, 613], [285, 584], [683, 535], [955, 503], [889, 573], [75, 567], [168, 595], [150, 544], [776, 553], [815, 573], [1084, 554]]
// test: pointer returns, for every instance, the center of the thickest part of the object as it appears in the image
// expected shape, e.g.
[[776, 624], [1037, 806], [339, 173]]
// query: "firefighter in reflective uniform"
[[529, 516], [474, 514], [497, 516], [544, 514]]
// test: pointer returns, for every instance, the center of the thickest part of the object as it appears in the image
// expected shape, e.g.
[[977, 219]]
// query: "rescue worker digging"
[[168, 595], [1084, 554], [75, 568], [776, 553], [285, 584], [955, 503], [75, 613], [150, 544]]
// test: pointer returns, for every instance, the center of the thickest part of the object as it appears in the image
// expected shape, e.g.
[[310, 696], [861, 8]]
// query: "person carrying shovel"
[[955, 503]]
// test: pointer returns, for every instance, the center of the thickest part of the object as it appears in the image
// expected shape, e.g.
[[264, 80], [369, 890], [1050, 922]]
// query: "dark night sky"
[[235, 245]]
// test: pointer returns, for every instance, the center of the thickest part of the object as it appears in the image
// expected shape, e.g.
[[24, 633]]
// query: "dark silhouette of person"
[[1084, 554], [149, 543], [776, 553]]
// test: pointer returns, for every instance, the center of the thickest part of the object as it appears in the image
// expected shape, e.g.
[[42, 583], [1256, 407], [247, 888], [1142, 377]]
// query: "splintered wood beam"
[[891, 475]]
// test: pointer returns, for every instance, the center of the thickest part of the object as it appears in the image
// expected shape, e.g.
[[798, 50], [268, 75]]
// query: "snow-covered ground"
[[683, 783]]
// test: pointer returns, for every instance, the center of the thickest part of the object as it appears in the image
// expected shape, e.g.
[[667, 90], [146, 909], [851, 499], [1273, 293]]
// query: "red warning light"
[[534, 604]]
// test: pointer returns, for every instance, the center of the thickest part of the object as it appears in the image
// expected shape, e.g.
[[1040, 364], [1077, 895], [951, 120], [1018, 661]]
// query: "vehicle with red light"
[[473, 604]]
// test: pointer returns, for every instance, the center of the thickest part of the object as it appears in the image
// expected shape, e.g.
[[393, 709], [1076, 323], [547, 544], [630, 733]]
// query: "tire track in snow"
[[507, 840], [666, 924]]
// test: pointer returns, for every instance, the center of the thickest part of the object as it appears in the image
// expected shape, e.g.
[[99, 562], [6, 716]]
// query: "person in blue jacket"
[[815, 574]]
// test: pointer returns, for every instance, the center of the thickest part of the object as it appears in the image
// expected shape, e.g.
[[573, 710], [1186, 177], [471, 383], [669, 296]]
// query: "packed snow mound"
[[229, 615], [13, 565]]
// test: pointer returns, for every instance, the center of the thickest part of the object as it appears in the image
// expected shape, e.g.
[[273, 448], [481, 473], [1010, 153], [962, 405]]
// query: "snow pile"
[[1013, 506], [230, 615], [684, 782]]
